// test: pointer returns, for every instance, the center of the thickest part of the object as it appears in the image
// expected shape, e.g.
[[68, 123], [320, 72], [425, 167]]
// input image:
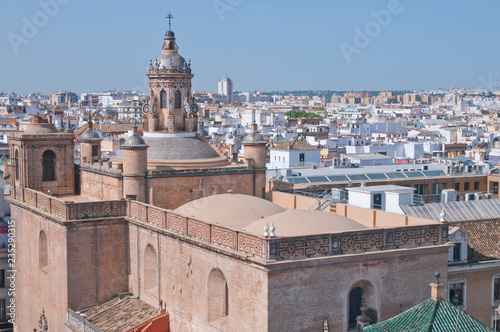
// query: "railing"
[[346, 243], [424, 199], [461, 196], [69, 210], [222, 237], [323, 201], [79, 323], [335, 194], [248, 244]]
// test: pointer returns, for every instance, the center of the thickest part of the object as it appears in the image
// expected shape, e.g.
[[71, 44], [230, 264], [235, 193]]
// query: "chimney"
[[437, 288]]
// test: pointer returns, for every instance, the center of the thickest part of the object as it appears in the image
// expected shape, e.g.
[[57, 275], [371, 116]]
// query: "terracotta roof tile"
[[120, 316]]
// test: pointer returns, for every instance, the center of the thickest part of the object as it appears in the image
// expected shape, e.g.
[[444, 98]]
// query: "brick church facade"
[[159, 223]]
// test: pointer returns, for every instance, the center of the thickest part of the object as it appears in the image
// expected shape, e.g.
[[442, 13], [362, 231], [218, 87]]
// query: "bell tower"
[[43, 158], [170, 107]]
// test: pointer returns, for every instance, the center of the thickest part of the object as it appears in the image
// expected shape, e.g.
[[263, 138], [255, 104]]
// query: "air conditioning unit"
[[470, 197], [448, 195], [489, 196], [479, 196]]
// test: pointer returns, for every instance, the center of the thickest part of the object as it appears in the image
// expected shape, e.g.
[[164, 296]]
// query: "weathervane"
[[170, 17]]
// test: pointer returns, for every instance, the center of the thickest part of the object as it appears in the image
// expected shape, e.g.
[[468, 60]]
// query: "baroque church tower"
[[170, 107]]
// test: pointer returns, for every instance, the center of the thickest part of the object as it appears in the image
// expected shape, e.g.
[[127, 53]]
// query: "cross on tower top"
[[170, 17]]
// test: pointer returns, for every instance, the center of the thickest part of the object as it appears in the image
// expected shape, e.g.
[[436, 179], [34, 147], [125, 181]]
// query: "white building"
[[295, 153], [226, 89], [387, 198]]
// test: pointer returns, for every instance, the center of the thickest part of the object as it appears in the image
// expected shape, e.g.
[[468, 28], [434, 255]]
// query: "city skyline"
[[378, 45]]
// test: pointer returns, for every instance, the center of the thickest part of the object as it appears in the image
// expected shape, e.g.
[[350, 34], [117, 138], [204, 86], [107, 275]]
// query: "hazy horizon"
[[51, 45]]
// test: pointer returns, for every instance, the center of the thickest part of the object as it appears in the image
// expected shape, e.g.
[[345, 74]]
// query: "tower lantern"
[[170, 106]]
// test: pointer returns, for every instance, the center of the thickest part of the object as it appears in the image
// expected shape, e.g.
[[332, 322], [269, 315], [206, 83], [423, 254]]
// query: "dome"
[[40, 128], [278, 139], [233, 210], [178, 148], [172, 60], [90, 134], [304, 222], [134, 141], [169, 34], [254, 138]]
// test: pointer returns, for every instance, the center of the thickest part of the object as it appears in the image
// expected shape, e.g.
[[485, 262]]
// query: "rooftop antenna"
[[170, 17]]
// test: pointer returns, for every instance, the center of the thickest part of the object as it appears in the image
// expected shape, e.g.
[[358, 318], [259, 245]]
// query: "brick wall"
[[100, 186], [301, 297], [112, 262], [478, 291], [36, 288], [184, 273], [189, 188]]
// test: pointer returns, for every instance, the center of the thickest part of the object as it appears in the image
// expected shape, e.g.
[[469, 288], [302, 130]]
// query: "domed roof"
[[134, 141], [233, 210], [178, 148], [254, 137], [171, 61], [169, 34], [40, 128], [304, 222], [90, 134], [279, 139]]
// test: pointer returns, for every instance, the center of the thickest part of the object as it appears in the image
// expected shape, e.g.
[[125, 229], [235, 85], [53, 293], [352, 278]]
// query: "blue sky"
[[262, 45]]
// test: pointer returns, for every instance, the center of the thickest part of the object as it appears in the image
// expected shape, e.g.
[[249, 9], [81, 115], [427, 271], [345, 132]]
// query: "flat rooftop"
[[387, 188], [366, 173]]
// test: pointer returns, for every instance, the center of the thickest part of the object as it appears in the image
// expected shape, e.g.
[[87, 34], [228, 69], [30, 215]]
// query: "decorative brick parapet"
[[103, 167], [177, 223], [70, 210], [285, 248], [224, 237], [139, 211], [157, 217], [199, 230], [358, 242], [102, 209]]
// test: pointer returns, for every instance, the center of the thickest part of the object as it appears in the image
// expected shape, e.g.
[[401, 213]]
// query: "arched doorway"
[[355, 296]]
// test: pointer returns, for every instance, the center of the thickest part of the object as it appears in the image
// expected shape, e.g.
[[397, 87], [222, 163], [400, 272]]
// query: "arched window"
[[42, 250], [177, 98], [163, 98], [150, 270], [218, 296], [48, 166], [16, 164], [355, 297]]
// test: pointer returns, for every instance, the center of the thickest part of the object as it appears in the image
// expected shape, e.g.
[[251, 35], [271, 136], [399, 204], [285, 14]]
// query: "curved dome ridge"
[[231, 210]]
